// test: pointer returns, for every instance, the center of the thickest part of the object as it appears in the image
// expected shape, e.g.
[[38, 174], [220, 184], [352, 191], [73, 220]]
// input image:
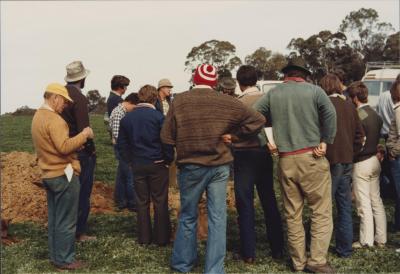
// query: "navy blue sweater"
[[139, 139], [113, 101]]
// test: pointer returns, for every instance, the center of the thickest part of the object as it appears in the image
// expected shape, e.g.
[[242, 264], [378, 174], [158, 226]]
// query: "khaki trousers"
[[368, 201], [304, 177]]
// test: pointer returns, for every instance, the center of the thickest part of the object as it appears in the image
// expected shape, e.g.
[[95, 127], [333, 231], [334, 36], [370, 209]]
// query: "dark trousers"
[[255, 167], [88, 163], [395, 168], [151, 184], [341, 194]]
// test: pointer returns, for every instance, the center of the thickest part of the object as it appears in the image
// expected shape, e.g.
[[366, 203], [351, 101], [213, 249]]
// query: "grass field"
[[116, 250]]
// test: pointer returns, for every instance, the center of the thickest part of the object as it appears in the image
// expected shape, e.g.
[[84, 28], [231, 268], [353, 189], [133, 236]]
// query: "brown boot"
[[326, 268], [85, 238], [72, 266]]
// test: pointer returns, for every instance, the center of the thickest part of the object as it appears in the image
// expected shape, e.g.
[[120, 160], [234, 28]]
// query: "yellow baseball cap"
[[59, 89]]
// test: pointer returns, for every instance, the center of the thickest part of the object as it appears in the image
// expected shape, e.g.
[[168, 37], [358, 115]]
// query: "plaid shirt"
[[116, 115]]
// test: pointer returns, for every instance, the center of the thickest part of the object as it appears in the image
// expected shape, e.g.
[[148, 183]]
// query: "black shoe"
[[277, 255], [247, 260]]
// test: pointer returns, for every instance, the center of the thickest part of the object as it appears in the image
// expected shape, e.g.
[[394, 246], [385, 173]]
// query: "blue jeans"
[[341, 193], [88, 163], [255, 167], [62, 204], [193, 180], [395, 168], [124, 186]]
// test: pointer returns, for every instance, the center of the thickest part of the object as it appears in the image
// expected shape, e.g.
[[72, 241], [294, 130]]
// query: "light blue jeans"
[[193, 180]]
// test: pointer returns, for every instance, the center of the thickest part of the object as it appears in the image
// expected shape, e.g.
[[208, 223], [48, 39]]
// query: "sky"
[[147, 40]]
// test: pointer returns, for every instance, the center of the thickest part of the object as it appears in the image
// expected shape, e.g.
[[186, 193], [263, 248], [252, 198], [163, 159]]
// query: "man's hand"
[[380, 153], [227, 139], [88, 132], [273, 149], [320, 150]]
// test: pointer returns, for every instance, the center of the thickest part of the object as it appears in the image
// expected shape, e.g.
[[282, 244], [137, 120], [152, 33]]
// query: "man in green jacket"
[[304, 122]]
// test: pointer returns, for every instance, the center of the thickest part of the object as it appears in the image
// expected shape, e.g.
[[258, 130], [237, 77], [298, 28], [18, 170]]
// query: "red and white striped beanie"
[[205, 75]]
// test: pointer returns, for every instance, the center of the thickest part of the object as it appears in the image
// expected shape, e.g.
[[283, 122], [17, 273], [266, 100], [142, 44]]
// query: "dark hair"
[[148, 94], [358, 89], [132, 98], [297, 73], [395, 91], [80, 82], [247, 75], [340, 74], [331, 84], [119, 81], [398, 77]]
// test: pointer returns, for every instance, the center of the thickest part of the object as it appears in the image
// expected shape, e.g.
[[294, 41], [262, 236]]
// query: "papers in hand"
[[270, 136], [69, 172]]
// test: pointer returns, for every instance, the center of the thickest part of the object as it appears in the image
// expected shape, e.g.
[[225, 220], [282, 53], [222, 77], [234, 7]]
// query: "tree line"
[[360, 38]]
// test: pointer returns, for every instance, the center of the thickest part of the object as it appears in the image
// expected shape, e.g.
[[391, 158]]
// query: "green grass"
[[116, 250]]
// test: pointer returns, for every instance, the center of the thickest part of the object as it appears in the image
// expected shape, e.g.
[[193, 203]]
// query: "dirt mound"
[[24, 198]]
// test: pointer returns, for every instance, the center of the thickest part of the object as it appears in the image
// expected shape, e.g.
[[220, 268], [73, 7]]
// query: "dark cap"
[[296, 63], [227, 83]]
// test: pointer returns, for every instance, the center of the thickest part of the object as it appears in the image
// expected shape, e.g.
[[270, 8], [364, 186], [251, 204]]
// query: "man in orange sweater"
[[60, 170]]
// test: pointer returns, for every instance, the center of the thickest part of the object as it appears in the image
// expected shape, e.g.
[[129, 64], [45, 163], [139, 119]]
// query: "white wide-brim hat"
[[76, 71]]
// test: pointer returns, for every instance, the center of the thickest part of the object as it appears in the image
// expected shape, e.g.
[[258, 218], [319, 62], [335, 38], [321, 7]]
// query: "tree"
[[391, 51], [325, 51], [267, 64], [221, 54], [97, 104], [366, 33]]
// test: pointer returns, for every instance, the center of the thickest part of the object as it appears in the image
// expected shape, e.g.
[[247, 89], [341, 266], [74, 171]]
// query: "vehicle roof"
[[381, 74]]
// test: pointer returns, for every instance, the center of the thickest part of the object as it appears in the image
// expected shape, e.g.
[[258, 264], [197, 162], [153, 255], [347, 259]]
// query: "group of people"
[[327, 138]]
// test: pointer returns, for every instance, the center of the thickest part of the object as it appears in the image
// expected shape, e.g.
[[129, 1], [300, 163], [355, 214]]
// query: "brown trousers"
[[151, 184], [304, 177]]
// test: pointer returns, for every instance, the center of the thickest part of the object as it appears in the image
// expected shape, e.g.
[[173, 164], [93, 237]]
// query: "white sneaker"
[[398, 250], [358, 245]]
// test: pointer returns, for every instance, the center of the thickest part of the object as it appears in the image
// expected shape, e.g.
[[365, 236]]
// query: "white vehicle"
[[267, 85], [262, 85], [379, 80]]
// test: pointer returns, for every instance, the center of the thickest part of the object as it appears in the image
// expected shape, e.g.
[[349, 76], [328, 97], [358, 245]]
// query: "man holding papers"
[[60, 167]]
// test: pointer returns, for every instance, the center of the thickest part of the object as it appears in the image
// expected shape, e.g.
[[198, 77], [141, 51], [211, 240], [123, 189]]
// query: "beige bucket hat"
[[164, 83], [76, 71]]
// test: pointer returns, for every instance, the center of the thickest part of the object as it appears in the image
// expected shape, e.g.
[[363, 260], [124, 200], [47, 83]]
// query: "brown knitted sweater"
[[198, 118]]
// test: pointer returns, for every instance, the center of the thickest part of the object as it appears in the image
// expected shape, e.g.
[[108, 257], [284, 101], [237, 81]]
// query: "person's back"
[[348, 139], [372, 124], [384, 109], [144, 124], [112, 101], [294, 108], [202, 116]]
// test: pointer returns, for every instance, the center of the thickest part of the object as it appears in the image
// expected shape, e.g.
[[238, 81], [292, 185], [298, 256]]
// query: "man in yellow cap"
[[60, 167]]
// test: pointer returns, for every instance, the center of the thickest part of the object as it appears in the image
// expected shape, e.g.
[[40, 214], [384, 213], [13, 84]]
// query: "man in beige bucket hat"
[[164, 95], [60, 167], [77, 117]]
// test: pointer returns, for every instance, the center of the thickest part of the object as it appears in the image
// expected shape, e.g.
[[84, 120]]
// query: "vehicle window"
[[373, 87], [387, 85], [268, 87]]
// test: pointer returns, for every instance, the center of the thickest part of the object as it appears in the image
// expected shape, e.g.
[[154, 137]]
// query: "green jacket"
[[301, 115]]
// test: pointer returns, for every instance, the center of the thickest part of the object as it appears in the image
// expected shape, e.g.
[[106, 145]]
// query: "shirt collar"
[[202, 86], [341, 96], [249, 90], [146, 105], [46, 106], [296, 79], [116, 93], [396, 105], [362, 105]]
